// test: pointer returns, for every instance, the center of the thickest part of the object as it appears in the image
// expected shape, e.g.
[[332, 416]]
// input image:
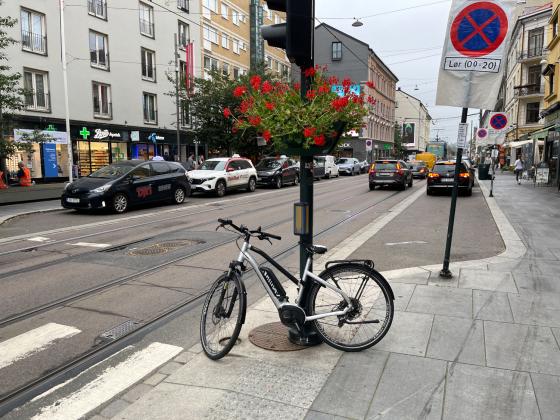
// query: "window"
[[150, 108], [225, 11], [534, 79], [225, 69], [183, 5], [185, 114], [141, 172], [101, 100], [147, 20], [211, 4], [98, 50], [269, 63], [235, 17], [536, 38], [182, 72], [276, 19], [35, 84], [33, 33], [236, 73], [337, 51], [551, 83], [148, 65], [160, 168], [236, 46], [225, 41], [210, 64], [210, 34], [98, 8], [555, 27], [532, 113], [184, 34]]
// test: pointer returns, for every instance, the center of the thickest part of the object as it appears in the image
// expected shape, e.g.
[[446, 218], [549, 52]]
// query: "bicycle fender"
[[362, 267]]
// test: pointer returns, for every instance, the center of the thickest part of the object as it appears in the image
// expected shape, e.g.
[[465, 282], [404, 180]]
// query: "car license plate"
[[382, 174], [72, 200], [447, 180]]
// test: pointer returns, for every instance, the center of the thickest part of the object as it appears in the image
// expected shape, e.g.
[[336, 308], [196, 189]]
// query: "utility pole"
[[67, 109], [177, 97]]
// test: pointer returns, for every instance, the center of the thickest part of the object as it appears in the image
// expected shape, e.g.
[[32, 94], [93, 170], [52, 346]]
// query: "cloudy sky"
[[409, 41]]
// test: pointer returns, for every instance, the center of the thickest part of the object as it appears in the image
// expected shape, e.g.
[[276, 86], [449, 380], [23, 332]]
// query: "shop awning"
[[517, 144]]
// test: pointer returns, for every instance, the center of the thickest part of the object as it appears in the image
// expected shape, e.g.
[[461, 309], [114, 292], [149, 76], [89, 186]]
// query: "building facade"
[[120, 57], [415, 122], [348, 57]]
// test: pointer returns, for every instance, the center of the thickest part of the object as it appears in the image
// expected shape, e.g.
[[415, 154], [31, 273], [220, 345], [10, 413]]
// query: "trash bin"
[[484, 171]]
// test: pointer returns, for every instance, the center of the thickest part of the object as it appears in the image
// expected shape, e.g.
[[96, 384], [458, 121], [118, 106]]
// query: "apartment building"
[[232, 41], [119, 55], [415, 122]]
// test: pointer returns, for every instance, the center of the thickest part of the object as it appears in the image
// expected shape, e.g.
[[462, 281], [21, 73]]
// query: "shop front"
[[551, 156], [97, 147]]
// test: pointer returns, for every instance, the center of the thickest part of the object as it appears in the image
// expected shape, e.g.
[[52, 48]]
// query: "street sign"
[[369, 145], [494, 154], [50, 160], [474, 53], [462, 136], [481, 134], [498, 121]]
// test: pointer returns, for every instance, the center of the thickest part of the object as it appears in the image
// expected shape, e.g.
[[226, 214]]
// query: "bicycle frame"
[[244, 255]]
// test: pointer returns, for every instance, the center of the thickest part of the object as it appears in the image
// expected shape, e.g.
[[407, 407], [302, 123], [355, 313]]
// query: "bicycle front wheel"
[[372, 307], [222, 316]]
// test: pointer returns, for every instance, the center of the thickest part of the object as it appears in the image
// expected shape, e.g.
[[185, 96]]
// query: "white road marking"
[[111, 382], [33, 341], [38, 239], [405, 243], [90, 244]]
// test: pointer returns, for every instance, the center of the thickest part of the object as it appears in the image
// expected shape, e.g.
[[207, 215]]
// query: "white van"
[[331, 168]]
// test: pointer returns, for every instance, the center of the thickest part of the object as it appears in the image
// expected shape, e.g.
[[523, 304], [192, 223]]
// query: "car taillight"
[[400, 171], [464, 175], [372, 168], [422, 170], [433, 175]]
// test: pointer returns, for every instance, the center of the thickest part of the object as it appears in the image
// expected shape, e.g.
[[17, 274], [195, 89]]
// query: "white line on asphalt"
[[90, 244], [38, 239], [33, 341], [111, 382], [405, 243]]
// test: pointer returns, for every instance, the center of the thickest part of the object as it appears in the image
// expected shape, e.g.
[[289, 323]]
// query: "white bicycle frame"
[[244, 255]]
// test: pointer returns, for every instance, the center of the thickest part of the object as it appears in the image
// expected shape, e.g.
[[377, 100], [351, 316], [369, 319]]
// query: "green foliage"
[[399, 151]]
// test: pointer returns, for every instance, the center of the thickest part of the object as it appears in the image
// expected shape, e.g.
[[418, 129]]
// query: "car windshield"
[[268, 164], [213, 165], [320, 159], [343, 161], [111, 171], [447, 168], [386, 166], [417, 165]]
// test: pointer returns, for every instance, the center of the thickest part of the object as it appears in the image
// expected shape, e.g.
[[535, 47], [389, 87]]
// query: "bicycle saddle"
[[316, 249]]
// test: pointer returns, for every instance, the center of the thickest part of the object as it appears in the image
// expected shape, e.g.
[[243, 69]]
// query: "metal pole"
[[445, 273], [67, 108], [177, 98], [493, 172]]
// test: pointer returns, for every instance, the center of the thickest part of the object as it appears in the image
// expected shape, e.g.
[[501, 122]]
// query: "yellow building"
[[232, 41]]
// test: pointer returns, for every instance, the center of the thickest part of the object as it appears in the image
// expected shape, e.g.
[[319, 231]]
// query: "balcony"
[[531, 90], [98, 8], [532, 54], [147, 28], [37, 101], [183, 5], [33, 42]]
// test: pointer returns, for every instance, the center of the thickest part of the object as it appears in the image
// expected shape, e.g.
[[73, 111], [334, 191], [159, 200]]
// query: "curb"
[[4, 219]]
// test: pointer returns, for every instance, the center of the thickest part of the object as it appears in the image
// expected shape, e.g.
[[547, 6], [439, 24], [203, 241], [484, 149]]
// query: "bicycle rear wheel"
[[222, 316], [372, 301]]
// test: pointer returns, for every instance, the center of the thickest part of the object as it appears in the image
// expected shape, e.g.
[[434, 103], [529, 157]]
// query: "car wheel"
[[120, 203], [277, 183], [179, 196], [429, 192], [220, 188], [352, 172], [296, 180], [371, 187], [402, 187], [328, 176], [252, 185], [469, 192]]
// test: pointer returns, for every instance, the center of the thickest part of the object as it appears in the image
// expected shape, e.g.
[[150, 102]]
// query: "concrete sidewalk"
[[20, 209], [482, 345], [36, 192]]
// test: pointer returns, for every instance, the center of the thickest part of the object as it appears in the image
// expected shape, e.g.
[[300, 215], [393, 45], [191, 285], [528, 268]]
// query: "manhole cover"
[[273, 336], [163, 247], [119, 330]]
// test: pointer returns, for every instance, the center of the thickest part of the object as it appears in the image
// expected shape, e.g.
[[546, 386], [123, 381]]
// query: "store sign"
[[339, 90], [104, 134], [345, 146], [135, 135], [54, 137], [49, 160]]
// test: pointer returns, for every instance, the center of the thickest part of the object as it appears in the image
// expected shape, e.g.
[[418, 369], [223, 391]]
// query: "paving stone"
[[487, 280], [114, 408], [536, 308], [492, 306], [354, 379], [409, 334], [521, 347], [316, 415], [475, 392], [436, 280], [556, 332], [184, 357], [169, 368], [402, 293], [441, 301], [457, 339], [136, 392], [410, 388], [155, 379], [547, 390], [412, 275], [534, 282]]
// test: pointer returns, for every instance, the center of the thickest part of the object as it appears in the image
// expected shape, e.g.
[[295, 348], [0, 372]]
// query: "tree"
[[399, 151]]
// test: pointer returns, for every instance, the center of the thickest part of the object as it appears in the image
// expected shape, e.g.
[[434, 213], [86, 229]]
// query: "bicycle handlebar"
[[244, 230]]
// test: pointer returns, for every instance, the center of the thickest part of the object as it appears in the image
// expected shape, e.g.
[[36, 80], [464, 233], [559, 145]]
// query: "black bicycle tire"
[[379, 280], [240, 317]]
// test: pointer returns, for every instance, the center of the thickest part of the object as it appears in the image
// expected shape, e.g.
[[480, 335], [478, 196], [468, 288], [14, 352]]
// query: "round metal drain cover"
[[163, 247], [273, 336], [150, 250]]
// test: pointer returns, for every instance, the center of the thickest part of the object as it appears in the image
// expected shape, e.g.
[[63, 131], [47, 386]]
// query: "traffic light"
[[296, 35]]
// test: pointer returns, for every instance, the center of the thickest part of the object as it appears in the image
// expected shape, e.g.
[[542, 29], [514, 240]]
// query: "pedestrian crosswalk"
[[81, 395]]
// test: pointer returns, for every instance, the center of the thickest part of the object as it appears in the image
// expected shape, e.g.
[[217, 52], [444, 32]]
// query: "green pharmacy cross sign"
[[50, 128], [84, 133]]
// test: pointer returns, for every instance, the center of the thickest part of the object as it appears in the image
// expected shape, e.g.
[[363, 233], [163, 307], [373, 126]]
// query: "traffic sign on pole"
[[498, 121]]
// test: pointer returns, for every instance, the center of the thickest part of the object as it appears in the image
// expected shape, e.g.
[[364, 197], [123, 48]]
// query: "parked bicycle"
[[350, 303]]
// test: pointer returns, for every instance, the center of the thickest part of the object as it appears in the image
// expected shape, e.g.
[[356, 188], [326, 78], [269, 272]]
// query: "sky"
[[409, 41]]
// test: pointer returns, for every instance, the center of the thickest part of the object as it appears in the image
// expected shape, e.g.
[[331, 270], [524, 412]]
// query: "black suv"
[[390, 172], [443, 173], [126, 183], [277, 171]]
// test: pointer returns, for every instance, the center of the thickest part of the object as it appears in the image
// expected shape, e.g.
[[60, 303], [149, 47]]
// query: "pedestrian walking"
[[518, 170], [190, 163]]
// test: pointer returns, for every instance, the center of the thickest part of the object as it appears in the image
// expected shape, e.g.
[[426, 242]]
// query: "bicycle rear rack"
[[367, 263]]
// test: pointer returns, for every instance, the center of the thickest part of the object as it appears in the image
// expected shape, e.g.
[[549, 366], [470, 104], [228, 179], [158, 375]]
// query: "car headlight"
[[210, 179], [68, 186], [101, 189]]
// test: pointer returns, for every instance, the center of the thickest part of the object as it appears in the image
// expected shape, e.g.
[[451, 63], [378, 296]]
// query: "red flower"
[[370, 85], [357, 100], [255, 82], [227, 112], [333, 80], [309, 131], [324, 89], [339, 103], [310, 94], [245, 106], [269, 106], [234, 129], [266, 135], [239, 91], [310, 72], [346, 82], [297, 86], [319, 140], [371, 100], [254, 121], [266, 87]]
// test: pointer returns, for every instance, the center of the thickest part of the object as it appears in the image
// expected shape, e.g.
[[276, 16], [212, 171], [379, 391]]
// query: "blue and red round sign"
[[479, 29], [482, 133], [498, 121]]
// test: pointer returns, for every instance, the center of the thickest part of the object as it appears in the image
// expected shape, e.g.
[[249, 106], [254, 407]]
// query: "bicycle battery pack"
[[274, 284]]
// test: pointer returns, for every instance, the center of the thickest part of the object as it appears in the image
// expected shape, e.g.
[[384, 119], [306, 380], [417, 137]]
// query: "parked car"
[[131, 182], [390, 172], [331, 168], [277, 171], [419, 169], [219, 175], [364, 166], [442, 175], [349, 166]]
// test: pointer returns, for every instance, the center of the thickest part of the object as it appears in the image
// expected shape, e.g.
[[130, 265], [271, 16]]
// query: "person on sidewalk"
[[24, 175], [3, 185], [518, 169]]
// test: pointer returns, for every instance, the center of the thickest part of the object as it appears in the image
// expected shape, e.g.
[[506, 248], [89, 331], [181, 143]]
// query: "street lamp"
[[357, 23]]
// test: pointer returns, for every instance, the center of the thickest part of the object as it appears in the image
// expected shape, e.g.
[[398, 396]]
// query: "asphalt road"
[[95, 272]]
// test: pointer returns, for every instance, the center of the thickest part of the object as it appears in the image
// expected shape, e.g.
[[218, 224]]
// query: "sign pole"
[[66, 106], [177, 105], [445, 272]]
